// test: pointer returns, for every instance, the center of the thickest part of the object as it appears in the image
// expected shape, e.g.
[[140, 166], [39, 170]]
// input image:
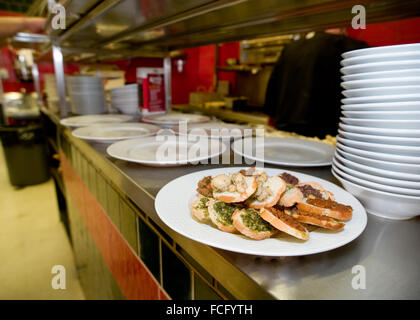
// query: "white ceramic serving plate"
[[384, 98], [400, 48], [166, 150], [381, 66], [393, 115], [173, 119], [82, 121], [116, 131], [414, 133], [172, 206], [402, 141], [381, 82], [379, 203], [382, 123], [407, 186], [214, 130], [376, 171], [293, 152], [378, 75], [383, 57], [384, 106], [379, 155], [411, 151], [381, 91], [395, 167], [375, 185]]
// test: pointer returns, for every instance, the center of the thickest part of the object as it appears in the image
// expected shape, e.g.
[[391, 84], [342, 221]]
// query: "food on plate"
[[328, 208], [283, 222], [269, 190], [220, 214], [315, 219], [249, 222], [199, 208], [260, 206], [291, 196], [233, 187], [315, 189]]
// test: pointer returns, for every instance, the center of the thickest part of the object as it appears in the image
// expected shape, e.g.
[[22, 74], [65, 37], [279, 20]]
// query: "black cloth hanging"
[[303, 93]]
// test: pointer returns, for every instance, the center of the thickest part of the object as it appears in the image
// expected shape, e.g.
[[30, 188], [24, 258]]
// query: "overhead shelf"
[[156, 27]]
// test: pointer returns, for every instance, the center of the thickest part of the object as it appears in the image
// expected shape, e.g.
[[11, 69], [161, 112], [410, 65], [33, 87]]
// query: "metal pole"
[[60, 79], [167, 77]]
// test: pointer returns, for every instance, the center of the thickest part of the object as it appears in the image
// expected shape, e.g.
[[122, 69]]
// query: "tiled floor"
[[32, 241]]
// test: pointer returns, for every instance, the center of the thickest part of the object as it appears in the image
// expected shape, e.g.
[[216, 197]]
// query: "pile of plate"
[[378, 149], [87, 94], [126, 99]]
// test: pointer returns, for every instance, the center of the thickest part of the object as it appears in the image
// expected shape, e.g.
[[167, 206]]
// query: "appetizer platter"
[[266, 212]]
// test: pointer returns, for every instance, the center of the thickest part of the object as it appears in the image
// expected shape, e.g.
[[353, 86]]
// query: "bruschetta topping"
[[329, 204], [224, 212], [253, 221], [204, 187], [232, 183], [289, 179]]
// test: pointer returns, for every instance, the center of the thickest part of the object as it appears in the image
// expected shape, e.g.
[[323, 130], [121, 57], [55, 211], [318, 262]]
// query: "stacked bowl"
[[87, 94], [378, 146], [126, 99]]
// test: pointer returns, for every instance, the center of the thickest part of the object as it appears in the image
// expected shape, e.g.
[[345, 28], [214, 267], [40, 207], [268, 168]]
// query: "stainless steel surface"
[[61, 83], [167, 78], [35, 77], [163, 25], [387, 250]]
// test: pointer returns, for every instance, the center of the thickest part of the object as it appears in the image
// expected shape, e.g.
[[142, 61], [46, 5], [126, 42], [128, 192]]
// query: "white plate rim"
[[374, 99], [68, 121], [198, 119], [397, 139], [119, 144], [393, 131], [380, 64], [161, 205], [372, 50], [349, 93], [236, 150], [375, 75], [229, 125]]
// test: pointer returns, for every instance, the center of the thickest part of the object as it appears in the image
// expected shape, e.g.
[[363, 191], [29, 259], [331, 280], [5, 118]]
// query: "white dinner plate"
[[214, 130], [412, 151], [397, 167], [395, 115], [400, 48], [381, 91], [385, 98], [116, 131], [172, 206], [379, 203], [383, 123], [174, 119], [381, 82], [293, 152], [407, 186], [375, 185], [384, 106], [381, 131], [378, 75], [88, 120], [381, 66], [374, 170], [166, 150], [402, 141], [379, 155], [383, 57]]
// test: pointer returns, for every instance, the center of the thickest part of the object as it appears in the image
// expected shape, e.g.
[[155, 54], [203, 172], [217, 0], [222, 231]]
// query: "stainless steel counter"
[[387, 252]]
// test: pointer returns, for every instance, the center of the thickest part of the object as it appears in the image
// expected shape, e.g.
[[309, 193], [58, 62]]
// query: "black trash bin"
[[25, 153]]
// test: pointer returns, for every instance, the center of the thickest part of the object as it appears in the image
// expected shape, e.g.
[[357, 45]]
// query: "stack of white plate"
[[378, 148], [87, 94], [126, 99]]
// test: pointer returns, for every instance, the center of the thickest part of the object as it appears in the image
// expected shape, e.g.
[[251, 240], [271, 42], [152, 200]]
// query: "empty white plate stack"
[[126, 99], [87, 94], [378, 149]]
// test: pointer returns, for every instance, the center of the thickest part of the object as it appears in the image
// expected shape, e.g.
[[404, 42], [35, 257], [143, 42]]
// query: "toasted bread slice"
[[273, 188], [284, 222], [316, 220], [291, 196], [220, 214], [249, 222], [199, 208], [327, 208], [236, 196], [318, 191]]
